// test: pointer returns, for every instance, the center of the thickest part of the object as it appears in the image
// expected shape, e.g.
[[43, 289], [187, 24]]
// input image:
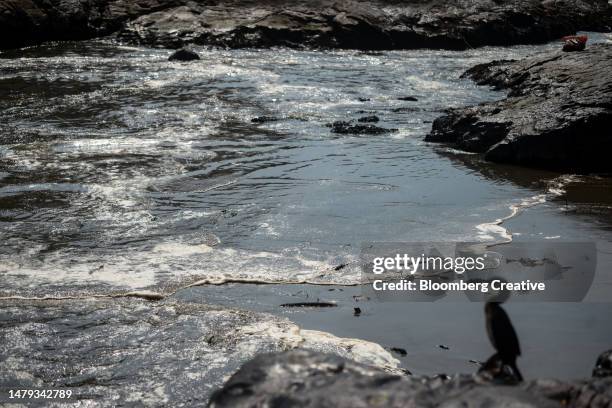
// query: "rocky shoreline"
[[156, 353], [175, 353], [383, 24], [556, 116], [304, 378]]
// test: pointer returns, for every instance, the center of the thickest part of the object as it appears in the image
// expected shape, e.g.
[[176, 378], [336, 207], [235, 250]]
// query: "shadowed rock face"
[[26, 22], [557, 114], [302, 378], [382, 24]]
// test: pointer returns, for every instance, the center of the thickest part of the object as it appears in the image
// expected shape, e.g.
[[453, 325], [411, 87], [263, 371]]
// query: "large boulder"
[[557, 114], [302, 378], [359, 24]]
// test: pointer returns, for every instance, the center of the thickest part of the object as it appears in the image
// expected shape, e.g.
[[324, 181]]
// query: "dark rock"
[[229, 213], [369, 119], [557, 114], [363, 99], [171, 27], [301, 378], [603, 366], [405, 109], [398, 350], [342, 127], [443, 347], [407, 98], [184, 55], [264, 119], [381, 24], [340, 267], [27, 22], [356, 311], [309, 304]]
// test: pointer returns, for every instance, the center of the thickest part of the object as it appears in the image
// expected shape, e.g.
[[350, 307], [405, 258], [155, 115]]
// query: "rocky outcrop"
[[382, 24], [26, 22], [126, 351], [368, 25], [301, 378], [557, 114]]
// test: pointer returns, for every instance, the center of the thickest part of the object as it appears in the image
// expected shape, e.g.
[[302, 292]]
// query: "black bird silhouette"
[[504, 340]]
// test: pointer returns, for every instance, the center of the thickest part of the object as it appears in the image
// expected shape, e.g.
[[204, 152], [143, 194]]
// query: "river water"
[[122, 171]]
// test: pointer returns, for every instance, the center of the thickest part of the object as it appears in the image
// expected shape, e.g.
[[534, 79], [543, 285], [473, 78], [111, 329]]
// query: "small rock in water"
[[339, 267], [309, 304], [363, 99], [369, 119], [478, 363], [146, 295], [264, 119], [443, 347], [184, 54], [342, 127], [405, 109], [356, 311], [407, 98], [398, 350], [228, 213]]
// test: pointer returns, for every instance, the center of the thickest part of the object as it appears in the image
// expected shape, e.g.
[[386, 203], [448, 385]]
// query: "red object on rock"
[[574, 42]]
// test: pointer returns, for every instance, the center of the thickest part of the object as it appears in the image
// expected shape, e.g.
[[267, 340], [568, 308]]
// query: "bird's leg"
[[515, 370]]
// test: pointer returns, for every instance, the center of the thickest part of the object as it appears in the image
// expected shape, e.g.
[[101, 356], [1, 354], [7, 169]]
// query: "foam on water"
[[494, 231], [174, 265]]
